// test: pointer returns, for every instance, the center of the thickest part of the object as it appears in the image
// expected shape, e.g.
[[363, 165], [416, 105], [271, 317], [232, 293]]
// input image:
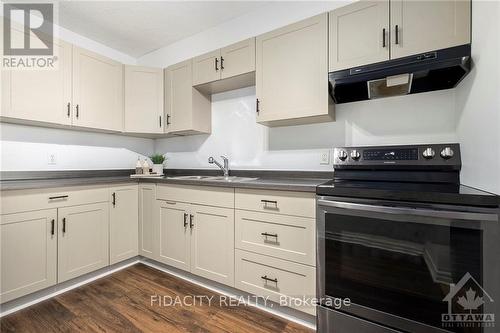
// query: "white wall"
[[25, 148], [478, 102]]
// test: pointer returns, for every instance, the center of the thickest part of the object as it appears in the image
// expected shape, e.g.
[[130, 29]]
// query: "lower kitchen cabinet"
[[83, 236], [28, 251], [123, 223], [147, 200], [174, 234], [212, 243]]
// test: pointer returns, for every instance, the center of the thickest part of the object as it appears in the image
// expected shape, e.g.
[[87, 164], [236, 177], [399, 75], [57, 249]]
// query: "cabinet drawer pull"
[[265, 234], [52, 226], [64, 225], [270, 202], [265, 278], [191, 221], [114, 199], [221, 63], [216, 64], [397, 35], [185, 220], [58, 197], [383, 37]]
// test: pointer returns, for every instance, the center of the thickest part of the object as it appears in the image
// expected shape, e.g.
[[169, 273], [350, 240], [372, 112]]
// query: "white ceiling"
[[139, 27]]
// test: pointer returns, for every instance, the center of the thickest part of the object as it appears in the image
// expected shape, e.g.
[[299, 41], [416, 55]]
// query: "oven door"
[[397, 262]]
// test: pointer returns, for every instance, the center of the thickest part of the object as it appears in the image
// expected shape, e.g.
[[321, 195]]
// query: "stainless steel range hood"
[[436, 70]]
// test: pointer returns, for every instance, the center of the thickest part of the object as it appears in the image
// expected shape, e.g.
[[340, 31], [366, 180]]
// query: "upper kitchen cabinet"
[[39, 95], [231, 67], [97, 91], [359, 34], [187, 110], [368, 32], [143, 100], [422, 26], [292, 74]]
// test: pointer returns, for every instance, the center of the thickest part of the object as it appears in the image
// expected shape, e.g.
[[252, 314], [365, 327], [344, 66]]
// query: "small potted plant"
[[157, 160]]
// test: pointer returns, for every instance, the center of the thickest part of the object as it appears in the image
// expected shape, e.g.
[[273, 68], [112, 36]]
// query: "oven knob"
[[355, 155], [447, 153], [342, 155], [429, 153]]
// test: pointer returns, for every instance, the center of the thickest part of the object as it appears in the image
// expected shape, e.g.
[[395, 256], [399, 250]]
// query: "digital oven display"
[[410, 154]]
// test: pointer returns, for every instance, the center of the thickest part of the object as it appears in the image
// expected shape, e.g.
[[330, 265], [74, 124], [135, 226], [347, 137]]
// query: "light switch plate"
[[324, 157]]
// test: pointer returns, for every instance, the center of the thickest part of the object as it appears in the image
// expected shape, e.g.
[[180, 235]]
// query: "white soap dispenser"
[[145, 167], [138, 167]]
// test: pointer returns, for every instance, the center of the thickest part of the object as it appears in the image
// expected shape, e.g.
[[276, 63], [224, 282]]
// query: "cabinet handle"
[[58, 197], [69, 109], [77, 111], [191, 223], [221, 63], [168, 119], [269, 235], [383, 37], [257, 105], [265, 202], [216, 64], [114, 199], [397, 35], [64, 225], [160, 121], [185, 220], [265, 278], [52, 226]]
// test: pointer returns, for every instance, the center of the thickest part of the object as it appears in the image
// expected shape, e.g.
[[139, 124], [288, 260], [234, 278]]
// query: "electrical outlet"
[[52, 159], [324, 157]]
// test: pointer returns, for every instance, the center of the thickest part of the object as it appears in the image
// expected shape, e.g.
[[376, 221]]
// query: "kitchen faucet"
[[224, 168]]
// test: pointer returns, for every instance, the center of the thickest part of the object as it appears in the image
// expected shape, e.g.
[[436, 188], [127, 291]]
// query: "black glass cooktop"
[[409, 191]]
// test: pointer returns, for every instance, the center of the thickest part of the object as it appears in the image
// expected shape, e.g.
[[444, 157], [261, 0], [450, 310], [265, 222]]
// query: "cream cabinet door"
[[123, 223], [206, 68], [82, 239], [212, 243], [143, 100], [237, 59], [292, 73], [147, 199], [359, 34], [39, 95], [28, 253], [97, 91], [428, 25], [174, 234]]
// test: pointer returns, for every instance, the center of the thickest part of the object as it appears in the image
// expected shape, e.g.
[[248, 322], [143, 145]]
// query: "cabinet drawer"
[[280, 280], [202, 195], [28, 200], [286, 237], [280, 202]]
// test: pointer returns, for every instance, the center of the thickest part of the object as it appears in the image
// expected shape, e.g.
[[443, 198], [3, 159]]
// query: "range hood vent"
[[436, 70]]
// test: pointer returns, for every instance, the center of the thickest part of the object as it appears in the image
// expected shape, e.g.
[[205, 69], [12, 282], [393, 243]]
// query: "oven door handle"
[[446, 214]]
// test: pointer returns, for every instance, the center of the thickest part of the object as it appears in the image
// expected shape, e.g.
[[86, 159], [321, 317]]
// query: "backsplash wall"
[[422, 118]]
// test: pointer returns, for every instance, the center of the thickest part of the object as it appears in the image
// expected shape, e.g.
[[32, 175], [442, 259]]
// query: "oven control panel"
[[409, 155]]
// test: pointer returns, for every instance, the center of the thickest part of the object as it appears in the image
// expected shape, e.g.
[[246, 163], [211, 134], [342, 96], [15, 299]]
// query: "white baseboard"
[[42, 295]]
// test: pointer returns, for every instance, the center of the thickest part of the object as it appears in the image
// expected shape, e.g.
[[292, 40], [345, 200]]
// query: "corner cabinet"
[[97, 91], [143, 111], [28, 250], [123, 223], [367, 32], [147, 201], [83, 244], [187, 110], [292, 74]]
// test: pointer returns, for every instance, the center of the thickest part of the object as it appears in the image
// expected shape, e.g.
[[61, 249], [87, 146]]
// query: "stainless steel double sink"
[[223, 179]]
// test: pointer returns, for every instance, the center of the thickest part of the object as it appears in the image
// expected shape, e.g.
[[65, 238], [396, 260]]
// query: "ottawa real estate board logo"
[[468, 305], [28, 36]]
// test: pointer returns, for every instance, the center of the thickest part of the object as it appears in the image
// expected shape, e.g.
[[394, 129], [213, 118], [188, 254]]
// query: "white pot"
[[158, 169]]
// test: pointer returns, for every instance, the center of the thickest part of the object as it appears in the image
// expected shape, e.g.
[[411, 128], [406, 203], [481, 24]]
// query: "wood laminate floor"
[[121, 302]]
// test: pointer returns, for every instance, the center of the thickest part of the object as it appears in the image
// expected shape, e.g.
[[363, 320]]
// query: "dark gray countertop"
[[273, 180]]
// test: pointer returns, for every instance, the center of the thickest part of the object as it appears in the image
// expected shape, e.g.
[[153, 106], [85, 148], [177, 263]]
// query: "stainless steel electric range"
[[404, 245]]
